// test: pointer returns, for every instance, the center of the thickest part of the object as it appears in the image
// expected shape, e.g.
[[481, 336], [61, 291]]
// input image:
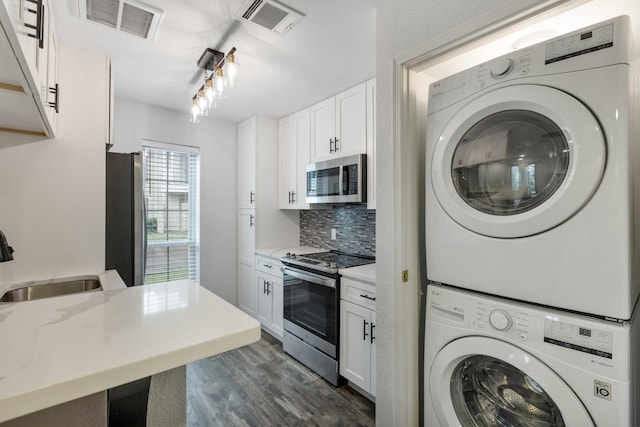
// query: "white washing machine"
[[495, 362], [531, 163]]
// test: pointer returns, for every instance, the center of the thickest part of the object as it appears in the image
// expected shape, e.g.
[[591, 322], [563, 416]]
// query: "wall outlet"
[[333, 234]]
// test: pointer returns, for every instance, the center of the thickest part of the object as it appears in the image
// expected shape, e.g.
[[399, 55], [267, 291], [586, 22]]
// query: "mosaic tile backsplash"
[[355, 229]]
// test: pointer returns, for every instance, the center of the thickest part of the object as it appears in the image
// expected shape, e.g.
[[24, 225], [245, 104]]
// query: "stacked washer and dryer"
[[533, 237]]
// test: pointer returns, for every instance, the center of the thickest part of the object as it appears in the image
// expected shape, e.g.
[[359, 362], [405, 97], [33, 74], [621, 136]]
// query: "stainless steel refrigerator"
[[125, 217]]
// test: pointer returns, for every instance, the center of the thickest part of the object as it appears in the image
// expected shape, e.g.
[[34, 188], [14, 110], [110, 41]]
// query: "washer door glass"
[[488, 392], [478, 381], [510, 162], [516, 161]]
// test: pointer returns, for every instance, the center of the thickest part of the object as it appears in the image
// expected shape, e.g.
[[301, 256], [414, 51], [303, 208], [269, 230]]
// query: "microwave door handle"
[[345, 179], [310, 277]]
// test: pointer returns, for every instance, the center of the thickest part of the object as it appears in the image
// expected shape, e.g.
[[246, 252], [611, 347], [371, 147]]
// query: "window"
[[172, 193]]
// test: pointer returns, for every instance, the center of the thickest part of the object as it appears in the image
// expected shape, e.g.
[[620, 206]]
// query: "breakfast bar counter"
[[59, 349]]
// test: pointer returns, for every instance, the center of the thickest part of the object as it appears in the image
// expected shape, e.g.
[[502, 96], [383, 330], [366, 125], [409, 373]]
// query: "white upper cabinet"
[[339, 125], [294, 156], [371, 143], [28, 72], [247, 140]]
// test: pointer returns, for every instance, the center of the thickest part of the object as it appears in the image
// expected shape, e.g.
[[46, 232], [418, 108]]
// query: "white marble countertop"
[[278, 253], [58, 349], [366, 273]]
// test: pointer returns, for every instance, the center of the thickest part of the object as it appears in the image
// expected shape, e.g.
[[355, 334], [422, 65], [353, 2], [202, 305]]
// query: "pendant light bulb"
[[195, 111], [210, 93], [219, 81], [202, 102], [231, 71]]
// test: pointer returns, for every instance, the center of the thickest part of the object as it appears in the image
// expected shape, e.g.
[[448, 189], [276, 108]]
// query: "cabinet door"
[[371, 144], [287, 156], [42, 53], [277, 314], [51, 95], [355, 346], [247, 236], [322, 117], [263, 289], [247, 163], [302, 129], [374, 331], [351, 121], [247, 291]]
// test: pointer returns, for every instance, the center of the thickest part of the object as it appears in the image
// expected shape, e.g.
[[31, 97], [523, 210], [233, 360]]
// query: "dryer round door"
[[518, 161], [477, 381]]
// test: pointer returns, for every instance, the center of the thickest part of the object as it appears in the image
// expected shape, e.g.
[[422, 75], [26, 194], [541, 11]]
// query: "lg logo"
[[602, 390]]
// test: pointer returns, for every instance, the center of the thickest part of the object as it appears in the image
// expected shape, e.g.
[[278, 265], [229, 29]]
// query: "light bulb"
[[231, 71], [219, 81], [195, 111], [202, 102], [210, 92]]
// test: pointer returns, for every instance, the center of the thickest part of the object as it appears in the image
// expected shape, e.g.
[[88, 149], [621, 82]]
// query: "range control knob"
[[501, 67], [501, 320]]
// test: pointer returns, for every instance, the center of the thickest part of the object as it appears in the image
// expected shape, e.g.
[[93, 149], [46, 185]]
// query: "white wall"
[[216, 139], [52, 192], [406, 28]]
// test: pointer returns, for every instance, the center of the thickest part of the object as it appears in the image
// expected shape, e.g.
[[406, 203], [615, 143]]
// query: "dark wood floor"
[[260, 385]]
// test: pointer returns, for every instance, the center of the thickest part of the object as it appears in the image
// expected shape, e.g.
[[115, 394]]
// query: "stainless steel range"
[[312, 309]]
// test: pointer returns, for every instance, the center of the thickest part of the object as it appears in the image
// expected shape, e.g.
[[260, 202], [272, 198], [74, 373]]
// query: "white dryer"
[[495, 362], [530, 166]]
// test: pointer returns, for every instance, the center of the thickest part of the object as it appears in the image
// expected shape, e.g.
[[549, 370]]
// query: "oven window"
[[312, 307], [510, 162]]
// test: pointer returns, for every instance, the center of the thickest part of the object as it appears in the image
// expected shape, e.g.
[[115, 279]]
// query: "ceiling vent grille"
[[270, 14], [129, 16]]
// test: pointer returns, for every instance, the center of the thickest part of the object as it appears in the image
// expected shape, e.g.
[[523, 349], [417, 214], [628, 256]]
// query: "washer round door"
[[478, 382], [518, 161]]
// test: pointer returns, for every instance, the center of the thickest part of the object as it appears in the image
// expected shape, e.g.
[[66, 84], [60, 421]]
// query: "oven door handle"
[[310, 277]]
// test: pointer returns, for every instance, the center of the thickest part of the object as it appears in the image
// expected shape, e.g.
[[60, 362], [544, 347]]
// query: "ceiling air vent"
[[129, 16], [270, 14]]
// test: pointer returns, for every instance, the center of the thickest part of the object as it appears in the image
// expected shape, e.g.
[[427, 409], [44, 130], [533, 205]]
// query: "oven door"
[[311, 308]]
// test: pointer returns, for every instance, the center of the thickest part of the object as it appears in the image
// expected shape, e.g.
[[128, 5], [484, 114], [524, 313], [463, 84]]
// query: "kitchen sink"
[[50, 289]]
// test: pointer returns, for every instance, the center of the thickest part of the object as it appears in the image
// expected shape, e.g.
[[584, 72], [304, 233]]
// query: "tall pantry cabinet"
[[260, 223]]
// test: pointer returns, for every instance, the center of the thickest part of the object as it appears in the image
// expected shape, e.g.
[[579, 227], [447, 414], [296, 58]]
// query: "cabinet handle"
[[364, 330], [372, 337], [267, 265], [264, 287], [56, 103], [252, 196], [335, 145], [268, 290], [331, 150], [367, 297], [290, 197], [38, 27], [251, 221], [293, 197]]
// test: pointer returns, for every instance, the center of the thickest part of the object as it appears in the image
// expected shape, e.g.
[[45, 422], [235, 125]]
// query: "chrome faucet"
[[6, 251]]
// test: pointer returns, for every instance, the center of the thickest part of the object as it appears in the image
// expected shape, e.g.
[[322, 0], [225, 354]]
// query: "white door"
[[518, 161], [476, 381], [247, 135], [323, 129], [263, 287], [351, 121], [287, 153]]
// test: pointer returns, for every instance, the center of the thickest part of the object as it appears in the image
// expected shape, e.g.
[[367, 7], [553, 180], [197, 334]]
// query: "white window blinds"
[[172, 193]]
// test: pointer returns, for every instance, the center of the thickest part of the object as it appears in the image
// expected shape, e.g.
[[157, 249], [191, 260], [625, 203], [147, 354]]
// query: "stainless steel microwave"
[[341, 180]]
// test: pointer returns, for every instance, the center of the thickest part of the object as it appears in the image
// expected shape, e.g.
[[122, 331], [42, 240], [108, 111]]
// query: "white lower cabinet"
[[358, 334], [269, 289]]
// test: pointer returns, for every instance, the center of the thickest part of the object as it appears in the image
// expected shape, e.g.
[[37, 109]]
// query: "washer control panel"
[[506, 67], [512, 323]]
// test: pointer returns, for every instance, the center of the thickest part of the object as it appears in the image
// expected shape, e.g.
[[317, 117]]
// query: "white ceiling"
[[331, 49]]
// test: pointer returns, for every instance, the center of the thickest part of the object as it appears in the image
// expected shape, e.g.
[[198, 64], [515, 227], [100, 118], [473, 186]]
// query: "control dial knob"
[[501, 320], [501, 67]]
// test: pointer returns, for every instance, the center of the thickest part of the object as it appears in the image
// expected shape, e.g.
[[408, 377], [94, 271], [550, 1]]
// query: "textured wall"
[[355, 227]]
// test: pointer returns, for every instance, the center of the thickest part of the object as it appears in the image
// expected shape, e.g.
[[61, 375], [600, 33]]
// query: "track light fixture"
[[224, 76]]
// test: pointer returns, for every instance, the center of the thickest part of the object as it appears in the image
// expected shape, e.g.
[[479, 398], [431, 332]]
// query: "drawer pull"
[[367, 297]]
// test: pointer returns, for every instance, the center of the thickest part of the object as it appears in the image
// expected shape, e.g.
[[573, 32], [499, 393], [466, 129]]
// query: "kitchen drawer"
[[360, 293], [268, 265]]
